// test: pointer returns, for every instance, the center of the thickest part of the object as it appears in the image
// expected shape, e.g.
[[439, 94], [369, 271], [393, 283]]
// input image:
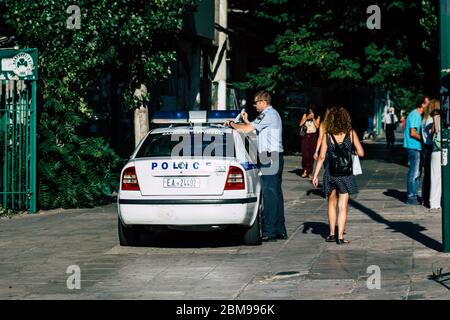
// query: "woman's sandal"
[[330, 238], [343, 241], [305, 174]]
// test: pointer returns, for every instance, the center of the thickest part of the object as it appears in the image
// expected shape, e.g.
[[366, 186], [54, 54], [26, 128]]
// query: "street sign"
[[18, 64]]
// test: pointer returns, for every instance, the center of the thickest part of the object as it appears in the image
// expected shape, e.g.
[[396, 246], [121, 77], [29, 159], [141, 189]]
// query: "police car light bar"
[[220, 116], [164, 117], [212, 116], [197, 116]]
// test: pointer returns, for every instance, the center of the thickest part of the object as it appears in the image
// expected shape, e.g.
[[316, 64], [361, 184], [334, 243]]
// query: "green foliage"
[[5, 212], [329, 40], [74, 171], [404, 98], [133, 38]]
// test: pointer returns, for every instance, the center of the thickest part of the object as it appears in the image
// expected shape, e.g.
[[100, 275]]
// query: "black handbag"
[[302, 131]]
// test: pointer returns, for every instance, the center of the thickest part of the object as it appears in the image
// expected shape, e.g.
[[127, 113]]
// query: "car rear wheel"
[[253, 235], [128, 236]]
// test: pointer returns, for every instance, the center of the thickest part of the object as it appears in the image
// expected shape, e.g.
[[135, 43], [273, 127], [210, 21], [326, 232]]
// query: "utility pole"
[[444, 8], [220, 60]]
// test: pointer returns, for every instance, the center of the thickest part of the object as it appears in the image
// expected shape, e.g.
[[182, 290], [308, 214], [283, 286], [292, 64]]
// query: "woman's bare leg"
[[332, 202], [342, 218]]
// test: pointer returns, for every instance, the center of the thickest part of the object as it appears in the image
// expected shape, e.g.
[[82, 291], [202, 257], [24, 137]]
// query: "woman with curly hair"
[[338, 130]]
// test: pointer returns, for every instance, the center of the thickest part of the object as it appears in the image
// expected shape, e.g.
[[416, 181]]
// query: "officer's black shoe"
[[282, 236], [267, 238]]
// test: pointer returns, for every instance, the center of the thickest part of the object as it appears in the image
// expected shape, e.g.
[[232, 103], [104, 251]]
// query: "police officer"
[[270, 148]]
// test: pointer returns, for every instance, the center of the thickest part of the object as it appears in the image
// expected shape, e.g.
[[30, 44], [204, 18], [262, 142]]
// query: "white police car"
[[199, 176]]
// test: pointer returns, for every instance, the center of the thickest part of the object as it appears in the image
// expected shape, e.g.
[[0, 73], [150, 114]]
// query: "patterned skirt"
[[345, 184]]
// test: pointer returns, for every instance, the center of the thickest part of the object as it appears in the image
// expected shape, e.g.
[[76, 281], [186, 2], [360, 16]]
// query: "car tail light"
[[129, 180], [235, 179]]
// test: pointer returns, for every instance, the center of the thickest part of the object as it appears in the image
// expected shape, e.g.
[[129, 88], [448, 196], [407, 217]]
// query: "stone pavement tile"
[[439, 287], [284, 290], [230, 275], [55, 296], [425, 267], [13, 291], [377, 296], [217, 287], [427, 295], [318, 289], [426, 288], [335, 272], [390, 289]]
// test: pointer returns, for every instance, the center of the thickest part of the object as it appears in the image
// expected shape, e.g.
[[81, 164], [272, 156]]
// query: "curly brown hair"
[[338, 121]]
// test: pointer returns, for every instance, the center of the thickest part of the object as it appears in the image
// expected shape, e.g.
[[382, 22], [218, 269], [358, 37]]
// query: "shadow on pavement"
[[316, 192], [409, 229], [380, 152], [298, 172], [190, 239], [399, 195], [441, 279], [319, 228]]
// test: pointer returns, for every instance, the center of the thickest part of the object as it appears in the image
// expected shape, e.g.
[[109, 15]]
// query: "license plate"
[[181, 183]]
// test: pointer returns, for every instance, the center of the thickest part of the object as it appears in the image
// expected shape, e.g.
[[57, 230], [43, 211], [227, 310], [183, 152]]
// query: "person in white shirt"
[[435, 168], [390, 121]]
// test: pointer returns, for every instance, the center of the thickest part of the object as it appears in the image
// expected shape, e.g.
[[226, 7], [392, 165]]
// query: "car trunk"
[[182, 177]]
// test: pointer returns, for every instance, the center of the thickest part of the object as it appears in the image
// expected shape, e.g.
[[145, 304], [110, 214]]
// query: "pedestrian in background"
[[390, 124], [412, 144], [427, 149], [435, 170], [308, 143], [338, 131], [403, 121]]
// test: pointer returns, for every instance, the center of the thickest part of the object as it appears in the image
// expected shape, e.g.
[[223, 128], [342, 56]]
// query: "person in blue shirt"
[[268, 128], [413, 145]]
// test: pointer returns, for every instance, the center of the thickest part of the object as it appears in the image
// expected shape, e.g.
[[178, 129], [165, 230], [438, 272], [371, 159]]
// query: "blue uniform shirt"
[[414, 120], [269, 130]]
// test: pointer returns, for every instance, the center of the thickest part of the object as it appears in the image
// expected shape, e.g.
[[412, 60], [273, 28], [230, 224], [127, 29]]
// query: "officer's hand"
[[315, 182], [226, 123]]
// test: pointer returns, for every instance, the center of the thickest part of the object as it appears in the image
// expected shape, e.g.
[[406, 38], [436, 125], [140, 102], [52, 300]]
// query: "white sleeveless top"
[[311, 128]]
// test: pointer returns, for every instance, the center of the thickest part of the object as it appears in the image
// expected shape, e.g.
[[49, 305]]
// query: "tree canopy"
[[133, 38], [330, 41]]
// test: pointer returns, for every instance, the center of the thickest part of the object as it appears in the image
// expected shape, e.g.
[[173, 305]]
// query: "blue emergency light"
[[170, 117], [220, 116]]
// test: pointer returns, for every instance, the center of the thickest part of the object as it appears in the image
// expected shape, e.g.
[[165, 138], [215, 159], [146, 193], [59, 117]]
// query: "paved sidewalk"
[[403, 241]]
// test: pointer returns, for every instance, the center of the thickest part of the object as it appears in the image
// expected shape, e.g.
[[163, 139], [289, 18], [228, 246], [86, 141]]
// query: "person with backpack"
[[435, 172], [338, 146]]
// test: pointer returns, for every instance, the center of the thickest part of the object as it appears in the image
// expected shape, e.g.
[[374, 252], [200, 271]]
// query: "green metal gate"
[[18, 76]]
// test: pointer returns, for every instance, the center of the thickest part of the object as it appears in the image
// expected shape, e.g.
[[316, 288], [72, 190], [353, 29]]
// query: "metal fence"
[[17, 133]]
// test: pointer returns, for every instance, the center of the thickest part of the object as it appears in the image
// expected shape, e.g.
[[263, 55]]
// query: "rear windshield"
[[187, 145]]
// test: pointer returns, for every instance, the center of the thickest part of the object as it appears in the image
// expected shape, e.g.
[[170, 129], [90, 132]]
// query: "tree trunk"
[[141, 124]]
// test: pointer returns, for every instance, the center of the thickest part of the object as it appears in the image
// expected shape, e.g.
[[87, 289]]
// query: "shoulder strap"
[[334, 139], [336, 144]]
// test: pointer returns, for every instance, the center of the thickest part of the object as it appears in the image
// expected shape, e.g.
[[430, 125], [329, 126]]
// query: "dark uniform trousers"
[[273, 201]]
